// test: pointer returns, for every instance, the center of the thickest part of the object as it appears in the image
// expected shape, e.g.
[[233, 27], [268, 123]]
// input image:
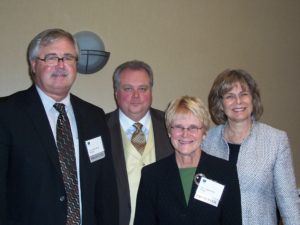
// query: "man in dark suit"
[[133, 83], [34, 187]]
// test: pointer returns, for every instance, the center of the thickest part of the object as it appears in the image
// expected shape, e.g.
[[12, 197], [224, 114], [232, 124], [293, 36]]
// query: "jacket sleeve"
[[287, 197], [4, 155]]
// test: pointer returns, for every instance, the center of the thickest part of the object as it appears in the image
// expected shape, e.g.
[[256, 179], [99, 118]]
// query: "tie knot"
[[138, 138], [138, 126], [60, 107]]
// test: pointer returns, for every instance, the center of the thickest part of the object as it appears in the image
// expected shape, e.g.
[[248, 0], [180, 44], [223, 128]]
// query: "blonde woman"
[[189, 187]]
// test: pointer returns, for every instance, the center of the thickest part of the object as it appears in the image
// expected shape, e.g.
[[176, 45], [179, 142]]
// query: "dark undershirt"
[[234, 152]]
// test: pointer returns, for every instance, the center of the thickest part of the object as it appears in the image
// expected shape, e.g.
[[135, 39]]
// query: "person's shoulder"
[[213, 160], [112, 120], [81, 105], [5, 99], [217, 128], [210, 157], [157, 114], [12, 98], [159, 165], [75, 99], [263, 128], [111, 114], [214, 132]]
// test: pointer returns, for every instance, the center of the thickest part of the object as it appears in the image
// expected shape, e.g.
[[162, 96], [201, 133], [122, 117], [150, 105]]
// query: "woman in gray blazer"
[[262, 153]]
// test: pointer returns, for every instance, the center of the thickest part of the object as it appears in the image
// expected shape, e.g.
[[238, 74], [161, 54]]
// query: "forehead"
[[58, 46], [134, 76], [186, 118]]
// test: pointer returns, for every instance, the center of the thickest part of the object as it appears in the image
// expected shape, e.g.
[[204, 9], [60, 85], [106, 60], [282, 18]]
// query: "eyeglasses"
[[231, 97], [53, 60], [179, 130]]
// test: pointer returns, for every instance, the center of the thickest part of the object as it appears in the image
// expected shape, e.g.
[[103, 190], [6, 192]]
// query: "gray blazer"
[[266, 174], [163, 148]]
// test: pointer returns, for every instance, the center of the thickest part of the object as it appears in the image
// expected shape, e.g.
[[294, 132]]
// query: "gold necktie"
[[138, 138]]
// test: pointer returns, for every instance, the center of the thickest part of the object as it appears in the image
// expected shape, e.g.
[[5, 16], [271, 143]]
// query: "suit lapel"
[[36, 112], [83, 155], [204, 167], [174, 184], [118, 151], [162, 146]]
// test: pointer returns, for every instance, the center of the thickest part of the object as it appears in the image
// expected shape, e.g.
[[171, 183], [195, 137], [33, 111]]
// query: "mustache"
[[60, 72]]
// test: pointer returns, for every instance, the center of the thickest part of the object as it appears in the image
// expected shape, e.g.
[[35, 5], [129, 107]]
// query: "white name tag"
[[95, 149], [209, 191]]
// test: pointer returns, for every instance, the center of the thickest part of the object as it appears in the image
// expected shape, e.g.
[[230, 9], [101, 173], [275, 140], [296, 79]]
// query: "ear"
[[32, 65]]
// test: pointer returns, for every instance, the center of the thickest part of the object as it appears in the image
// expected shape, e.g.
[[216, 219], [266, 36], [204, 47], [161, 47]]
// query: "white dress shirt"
[[127, 124]]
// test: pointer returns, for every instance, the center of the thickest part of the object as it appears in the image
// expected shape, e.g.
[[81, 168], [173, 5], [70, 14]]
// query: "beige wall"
[[187, 42]]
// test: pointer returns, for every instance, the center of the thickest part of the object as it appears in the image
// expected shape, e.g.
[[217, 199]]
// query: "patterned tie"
[[67, 161], [138, 138]]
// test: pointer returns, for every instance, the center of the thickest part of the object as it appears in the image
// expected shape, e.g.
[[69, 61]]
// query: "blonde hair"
[[185, 105]]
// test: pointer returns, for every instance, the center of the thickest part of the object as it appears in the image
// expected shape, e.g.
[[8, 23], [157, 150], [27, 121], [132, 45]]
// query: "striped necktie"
[[138, 138]]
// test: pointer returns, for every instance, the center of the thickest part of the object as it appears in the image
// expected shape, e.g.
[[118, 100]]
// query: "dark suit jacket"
[[161, 198], [163, 148], [31, 185]]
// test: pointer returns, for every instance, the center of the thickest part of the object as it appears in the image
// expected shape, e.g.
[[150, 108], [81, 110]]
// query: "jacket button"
[[62, 198]]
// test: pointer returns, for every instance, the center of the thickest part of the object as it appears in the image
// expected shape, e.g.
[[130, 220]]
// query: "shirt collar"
[[48, 102], [127, 123]]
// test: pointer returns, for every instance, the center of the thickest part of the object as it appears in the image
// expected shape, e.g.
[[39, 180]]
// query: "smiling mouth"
[[185, 142], [239, 109]]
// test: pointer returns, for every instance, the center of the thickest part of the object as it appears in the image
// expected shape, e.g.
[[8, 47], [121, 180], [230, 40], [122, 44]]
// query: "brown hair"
[[224, 83]]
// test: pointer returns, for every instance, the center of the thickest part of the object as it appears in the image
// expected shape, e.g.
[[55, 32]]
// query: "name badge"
[[95, 149], [209, 191]]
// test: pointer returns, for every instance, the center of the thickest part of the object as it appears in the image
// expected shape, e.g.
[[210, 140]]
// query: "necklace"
[[236, 136]]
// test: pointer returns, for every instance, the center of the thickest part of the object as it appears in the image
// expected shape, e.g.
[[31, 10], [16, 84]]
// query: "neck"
[[236, 132], [188, 161], [135, 117]]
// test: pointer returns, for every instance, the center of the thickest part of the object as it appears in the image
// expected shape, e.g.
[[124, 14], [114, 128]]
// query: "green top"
[[187, 176]]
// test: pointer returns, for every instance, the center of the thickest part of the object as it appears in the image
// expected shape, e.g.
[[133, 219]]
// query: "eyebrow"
[[65, 54], [130, 85]]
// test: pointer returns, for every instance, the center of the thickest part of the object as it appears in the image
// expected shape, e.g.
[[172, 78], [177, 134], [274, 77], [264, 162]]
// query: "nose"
[[136, 93], [238, 99], [185, 132], [60, 62]]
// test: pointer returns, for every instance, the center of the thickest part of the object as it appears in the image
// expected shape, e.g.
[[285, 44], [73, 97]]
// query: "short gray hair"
[[45, 38], [133, 65]]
